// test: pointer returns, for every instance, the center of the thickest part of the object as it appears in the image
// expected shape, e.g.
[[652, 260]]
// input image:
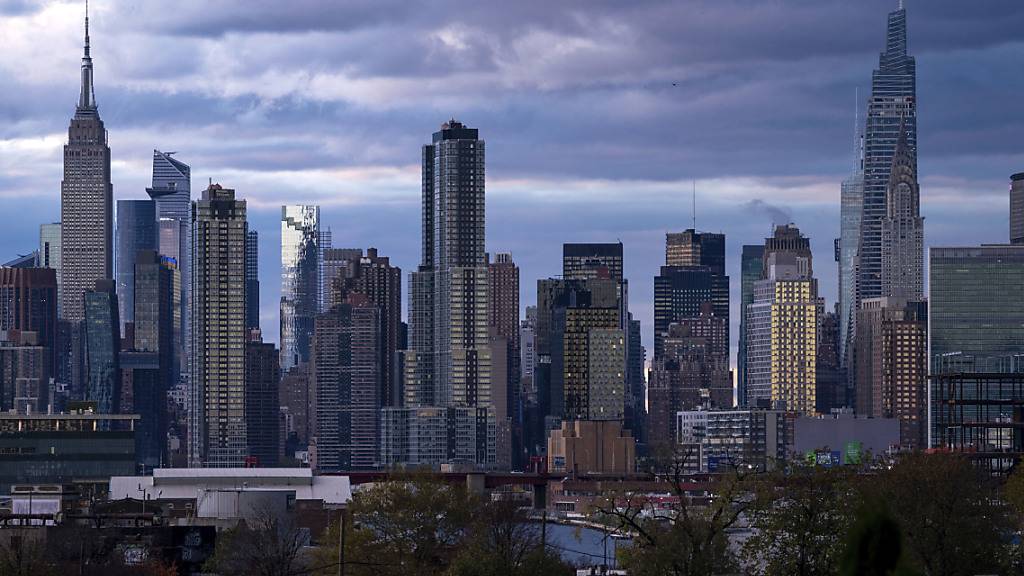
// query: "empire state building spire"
[[87, 99]]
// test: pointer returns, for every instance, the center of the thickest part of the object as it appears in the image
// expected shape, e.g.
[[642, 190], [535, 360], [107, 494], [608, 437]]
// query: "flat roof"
[[232, 473], [69, 416]]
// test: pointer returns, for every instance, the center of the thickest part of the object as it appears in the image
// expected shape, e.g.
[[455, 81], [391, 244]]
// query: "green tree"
[[952, 519], [799, 518]]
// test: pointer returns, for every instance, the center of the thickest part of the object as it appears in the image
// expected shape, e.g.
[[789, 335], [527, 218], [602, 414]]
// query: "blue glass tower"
[[136, 230], [893, 105]]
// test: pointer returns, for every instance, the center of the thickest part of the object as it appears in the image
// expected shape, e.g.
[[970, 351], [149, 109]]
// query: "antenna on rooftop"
[[694, 182]]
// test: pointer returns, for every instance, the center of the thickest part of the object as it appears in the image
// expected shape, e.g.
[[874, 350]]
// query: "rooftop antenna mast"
[[694, 182]]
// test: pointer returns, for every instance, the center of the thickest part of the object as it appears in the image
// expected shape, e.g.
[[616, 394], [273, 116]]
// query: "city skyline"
[[591, 182]]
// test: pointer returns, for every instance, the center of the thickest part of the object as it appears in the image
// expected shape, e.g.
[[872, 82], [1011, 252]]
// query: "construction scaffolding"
[[980, 414]]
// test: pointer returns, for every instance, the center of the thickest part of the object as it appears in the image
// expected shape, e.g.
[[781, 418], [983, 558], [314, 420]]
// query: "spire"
[[87, 98]]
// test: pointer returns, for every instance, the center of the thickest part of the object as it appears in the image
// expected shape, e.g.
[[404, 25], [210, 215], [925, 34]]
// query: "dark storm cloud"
[[597, 114]]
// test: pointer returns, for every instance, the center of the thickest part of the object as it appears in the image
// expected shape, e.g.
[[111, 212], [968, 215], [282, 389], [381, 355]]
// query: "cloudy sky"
[[599, 115]]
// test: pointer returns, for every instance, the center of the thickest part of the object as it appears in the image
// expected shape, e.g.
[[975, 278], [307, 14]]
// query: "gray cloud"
[[592, 111]]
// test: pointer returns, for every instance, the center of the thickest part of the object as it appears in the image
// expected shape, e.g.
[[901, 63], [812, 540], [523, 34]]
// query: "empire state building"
[[86, 200]]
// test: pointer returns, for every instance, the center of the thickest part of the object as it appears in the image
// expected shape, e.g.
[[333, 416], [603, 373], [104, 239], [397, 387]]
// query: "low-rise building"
[[80, 448], [586, 447]]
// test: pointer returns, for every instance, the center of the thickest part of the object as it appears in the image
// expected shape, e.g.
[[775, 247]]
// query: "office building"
[[832, 393], [151, 364], [692, 372], [347, 375], [692, 248], [24, 373], [103, 346], [583, 261], [903, 227], [86, 206], [28, 303], [892, 365], [585, 448], [171, 191], [1017, 208], [300, 281], [66, 448], [680, 292], [694, 273], [449, 361], [851, 205], [252, 280], [217, 427], [136, 230], [423, 437], [751, 270], [636, 384], [326, 243], [975, 330], [891, 117], [49, 252], [782, 327], [374, 277], [298, 399], [503, 297], [715, 440], [262, 405]]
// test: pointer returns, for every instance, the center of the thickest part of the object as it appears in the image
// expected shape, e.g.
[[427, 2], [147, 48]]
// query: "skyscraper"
[[782, 326], [503, 275], [347, 374], [49, 252], [373, 277], [892, 114], [751, 268], [153, 361], [86, 200], [691, 373], [976, 326], [903, 228], [694, 273], [1016, 208], [449, 363], [103, 345], [262, 403], [136, 230], [171, 190], [217, 425], [325, 244], [892, 364], [850, 212], [28, 303], [252, 280], [300, 281]]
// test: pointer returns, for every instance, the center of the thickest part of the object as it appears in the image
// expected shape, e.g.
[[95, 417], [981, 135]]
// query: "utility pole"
[[341, 545], [544, 533]]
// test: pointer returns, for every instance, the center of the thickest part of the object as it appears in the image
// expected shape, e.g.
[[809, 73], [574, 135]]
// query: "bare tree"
[[267, 545], [688, 538]]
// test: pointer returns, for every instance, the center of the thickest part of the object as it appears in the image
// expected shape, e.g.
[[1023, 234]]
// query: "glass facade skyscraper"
[[976, 327], [892, 112], [136, 230], [300, 281], [751, 270], [103, 345], [171, 191]]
